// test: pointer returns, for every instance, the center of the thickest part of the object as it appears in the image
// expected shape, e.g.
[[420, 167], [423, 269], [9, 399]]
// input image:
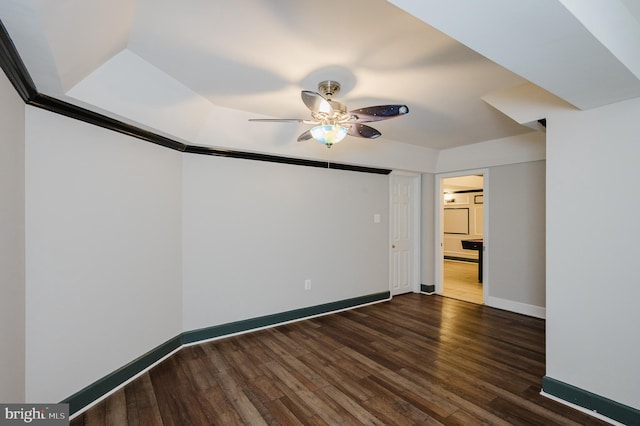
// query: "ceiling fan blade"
[[305, 136], [380, 112], [363, 131], [315, 102]]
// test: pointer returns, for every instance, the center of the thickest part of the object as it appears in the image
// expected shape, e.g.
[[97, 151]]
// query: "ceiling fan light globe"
[[329, 134]]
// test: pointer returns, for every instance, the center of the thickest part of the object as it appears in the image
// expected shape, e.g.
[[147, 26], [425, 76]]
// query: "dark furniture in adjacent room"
[[475, 244]]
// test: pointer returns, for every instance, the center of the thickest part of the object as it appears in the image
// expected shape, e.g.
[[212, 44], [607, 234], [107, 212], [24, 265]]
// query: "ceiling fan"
[[332, 120]]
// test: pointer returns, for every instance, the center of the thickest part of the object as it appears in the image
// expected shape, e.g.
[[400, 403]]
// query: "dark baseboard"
[[590, 401], [103, 386], [106, 384], [427, 288], [269, 320]]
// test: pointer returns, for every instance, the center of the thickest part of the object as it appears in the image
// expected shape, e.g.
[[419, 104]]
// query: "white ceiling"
[[459, 65], [462, 183]]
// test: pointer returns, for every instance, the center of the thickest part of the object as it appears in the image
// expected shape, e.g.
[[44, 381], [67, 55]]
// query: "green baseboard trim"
[[110, 382], [427, 288], [270, 320], [590, 401]]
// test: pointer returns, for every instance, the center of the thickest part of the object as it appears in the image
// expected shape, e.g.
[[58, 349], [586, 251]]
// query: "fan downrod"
[[329, 88]]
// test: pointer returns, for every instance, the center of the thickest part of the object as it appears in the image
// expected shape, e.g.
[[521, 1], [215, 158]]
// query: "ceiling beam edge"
[[14, 68]]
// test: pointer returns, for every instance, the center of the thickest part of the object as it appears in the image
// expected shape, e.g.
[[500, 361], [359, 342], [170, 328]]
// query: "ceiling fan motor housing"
[[329, 88]]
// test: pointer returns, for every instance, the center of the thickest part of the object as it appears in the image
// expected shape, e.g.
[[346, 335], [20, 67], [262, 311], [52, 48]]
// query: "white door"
[[401, 268]]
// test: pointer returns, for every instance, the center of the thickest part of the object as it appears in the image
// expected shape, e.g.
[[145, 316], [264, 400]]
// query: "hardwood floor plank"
[[200, 370], [407, 389], [389, 405], [318, 341], [116, 409], [145, 400], [281, 413], [352, 407], [474, 406], [293, 347], [176, 398], [341, 413], [465, 390], [386, 410], [301, 410], [341, 375], [413, 360], [214, 351], [462, 418], [307, 376], [217, 408], [309, 398], [96, 416], [265, 389], [243, 405], [241, 363], [132, 407], [519, 414]]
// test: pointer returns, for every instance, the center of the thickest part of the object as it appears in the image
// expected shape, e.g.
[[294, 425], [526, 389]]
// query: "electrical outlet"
[[307, 284]]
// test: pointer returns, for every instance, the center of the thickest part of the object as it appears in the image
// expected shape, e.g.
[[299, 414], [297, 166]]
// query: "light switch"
[[376, 218]]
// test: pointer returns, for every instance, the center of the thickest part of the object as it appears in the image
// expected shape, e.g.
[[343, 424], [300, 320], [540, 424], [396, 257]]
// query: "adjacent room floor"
[[461, 281]]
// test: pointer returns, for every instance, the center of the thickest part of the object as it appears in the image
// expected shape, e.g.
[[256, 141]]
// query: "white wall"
[[103, 252], [254, 231], [592, 250], [427, 217], [516, 249], [105, 235], [12, 262]]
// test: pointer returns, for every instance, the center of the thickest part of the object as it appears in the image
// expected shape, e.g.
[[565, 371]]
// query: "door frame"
[[439, 229], [415, 200]]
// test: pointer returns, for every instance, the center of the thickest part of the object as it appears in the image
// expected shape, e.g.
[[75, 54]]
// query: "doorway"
[[462, 231]]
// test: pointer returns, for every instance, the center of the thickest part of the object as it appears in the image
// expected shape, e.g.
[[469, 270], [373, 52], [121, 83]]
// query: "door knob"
[[393, 246]]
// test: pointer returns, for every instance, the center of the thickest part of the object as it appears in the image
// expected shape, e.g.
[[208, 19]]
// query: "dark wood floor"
[[415, 360]]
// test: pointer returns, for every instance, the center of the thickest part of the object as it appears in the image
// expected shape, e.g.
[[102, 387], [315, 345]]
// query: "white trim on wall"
[[517, 307]]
